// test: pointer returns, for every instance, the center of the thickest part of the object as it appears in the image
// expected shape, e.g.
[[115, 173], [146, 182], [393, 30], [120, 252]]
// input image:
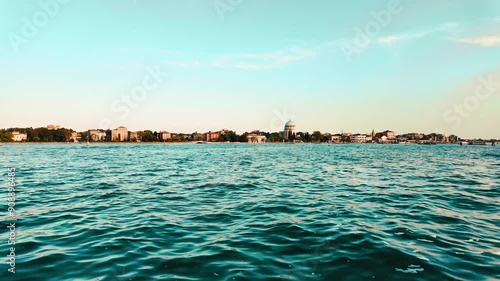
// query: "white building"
[[256, 138], [75, 137], [336, 138], [358, 138], [97, 135], [289, 130], [16, 136]]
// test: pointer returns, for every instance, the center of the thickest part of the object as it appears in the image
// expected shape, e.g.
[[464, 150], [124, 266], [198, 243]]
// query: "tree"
[[5, 136], [316, 136], [307, 137], [85, 136], [149, 136], [453, 138], [108, 135], [243, 137], [228, 136], [275, 137]]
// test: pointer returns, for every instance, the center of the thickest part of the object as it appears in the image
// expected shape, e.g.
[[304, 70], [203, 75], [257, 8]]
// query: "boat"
[[201, 142], [477, 143]]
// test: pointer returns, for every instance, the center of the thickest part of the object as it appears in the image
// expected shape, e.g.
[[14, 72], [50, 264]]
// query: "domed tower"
[[289, 129]]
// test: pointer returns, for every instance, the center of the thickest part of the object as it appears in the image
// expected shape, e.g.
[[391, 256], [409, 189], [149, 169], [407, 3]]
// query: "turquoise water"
[[245, 212]]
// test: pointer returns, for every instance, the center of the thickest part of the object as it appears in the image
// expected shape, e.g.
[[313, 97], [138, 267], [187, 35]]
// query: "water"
[[244, 212]]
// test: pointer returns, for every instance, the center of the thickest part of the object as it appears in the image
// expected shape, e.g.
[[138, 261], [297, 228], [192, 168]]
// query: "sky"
[[192, 65]]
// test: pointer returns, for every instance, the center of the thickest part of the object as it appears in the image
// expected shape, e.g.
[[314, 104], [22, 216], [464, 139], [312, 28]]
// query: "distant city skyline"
[[185, 66]]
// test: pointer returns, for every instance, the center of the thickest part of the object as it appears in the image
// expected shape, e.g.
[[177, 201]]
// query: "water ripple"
[[266, 212]]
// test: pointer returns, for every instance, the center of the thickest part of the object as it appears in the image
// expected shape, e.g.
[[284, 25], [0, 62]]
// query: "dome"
[[290, 123]]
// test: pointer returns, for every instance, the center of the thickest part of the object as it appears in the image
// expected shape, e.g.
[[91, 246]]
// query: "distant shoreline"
[[216, 143]]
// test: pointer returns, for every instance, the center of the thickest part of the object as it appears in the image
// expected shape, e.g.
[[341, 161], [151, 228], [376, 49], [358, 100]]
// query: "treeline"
[[68, 135], [37, 134], [64, 135], [316, 136]]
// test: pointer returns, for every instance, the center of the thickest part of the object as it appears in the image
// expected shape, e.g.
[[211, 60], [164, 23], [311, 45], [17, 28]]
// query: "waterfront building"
[[385, 139], [290, 130], [212, 136], [414, 136], [164, 135], [402, 139], [17, 136], [345, 137], [75, 137], [256, 138], [358, 138], [97, 135], [337, 138], [119, 134], [389, 134]]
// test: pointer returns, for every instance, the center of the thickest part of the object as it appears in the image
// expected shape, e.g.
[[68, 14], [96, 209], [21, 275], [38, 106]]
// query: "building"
[[53, 127], [75, 137], [414, 136], [384, 139], [164, 135], [402, 139], [289, 130], [17, 136], [97, 135], [389, 134], [256, 138], [119, 134], [212, 136], [336, 138], [358, 138]]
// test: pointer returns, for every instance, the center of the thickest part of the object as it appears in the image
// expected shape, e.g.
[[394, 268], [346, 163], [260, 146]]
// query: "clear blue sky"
[[252, 64]]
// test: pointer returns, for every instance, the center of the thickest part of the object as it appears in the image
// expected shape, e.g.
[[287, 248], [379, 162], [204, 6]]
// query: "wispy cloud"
[[183, 64], [262, 61], [416, 34], [125, 67], [483, 41]]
